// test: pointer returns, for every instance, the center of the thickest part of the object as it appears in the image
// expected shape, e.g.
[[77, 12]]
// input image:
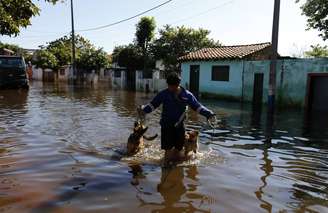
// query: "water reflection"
[[177, 195], [13, 99], [56, 155]]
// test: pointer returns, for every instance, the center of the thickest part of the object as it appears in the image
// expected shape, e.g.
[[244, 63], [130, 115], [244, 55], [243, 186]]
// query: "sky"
[[232, 22]]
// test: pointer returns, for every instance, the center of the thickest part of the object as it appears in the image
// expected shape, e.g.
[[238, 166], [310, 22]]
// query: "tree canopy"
[[317, 15], [317, 51], [171, 43], [58, 53], [17, 13], [62, 48], [45, 59], [18, 50], [145, 32], [92, 59], [174, 42], [128, 56]]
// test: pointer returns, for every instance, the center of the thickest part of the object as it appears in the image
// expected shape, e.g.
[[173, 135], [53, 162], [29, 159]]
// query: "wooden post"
[[274, 55], [73, 40]]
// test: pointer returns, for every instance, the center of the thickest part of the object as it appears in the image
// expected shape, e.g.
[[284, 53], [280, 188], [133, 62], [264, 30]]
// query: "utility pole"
[[274, 55], [73, 40]]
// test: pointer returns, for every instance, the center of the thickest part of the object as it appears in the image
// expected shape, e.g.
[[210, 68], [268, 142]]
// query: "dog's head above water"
[[191, 142], [135, 141], [192, 136], [139, 129]]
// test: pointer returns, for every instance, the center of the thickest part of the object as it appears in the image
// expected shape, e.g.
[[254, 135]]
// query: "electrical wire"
[[126, 19], [204, 12], [176, 7]]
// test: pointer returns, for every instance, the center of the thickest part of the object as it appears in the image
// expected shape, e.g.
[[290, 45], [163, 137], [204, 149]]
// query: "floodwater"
[[61, 151]]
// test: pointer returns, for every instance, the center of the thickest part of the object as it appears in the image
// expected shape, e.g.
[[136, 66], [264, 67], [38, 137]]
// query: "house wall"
[[37, 74], [250, 69], [231, 89], [105, 75], [118, 82], [48, 75], [64, 77], [92, 78], [292, 76], [155, 83]]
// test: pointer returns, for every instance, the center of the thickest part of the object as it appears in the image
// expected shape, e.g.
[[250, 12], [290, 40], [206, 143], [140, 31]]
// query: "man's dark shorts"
[[172, 137]]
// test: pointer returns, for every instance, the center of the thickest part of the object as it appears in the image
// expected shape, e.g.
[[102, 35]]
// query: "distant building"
[[242, 73], [5, 51], [153, 81], [150, 81]]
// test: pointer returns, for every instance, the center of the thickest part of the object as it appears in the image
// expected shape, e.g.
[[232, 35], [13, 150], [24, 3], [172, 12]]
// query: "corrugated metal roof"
[[225, 52]]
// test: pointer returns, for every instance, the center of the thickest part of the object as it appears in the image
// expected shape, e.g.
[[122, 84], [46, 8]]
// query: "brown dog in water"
[[191, 143], [190, 146], [136, 139]]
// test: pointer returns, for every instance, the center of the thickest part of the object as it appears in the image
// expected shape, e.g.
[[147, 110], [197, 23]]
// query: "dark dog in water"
[[136, 139]]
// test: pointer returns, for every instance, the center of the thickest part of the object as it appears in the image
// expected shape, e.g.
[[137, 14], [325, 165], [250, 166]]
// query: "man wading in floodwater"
[[175, 100]]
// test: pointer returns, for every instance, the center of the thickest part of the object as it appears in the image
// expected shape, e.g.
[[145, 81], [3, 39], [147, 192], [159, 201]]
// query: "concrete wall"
[[37, 73], [105, 75], [230, 89], [118, 83], [292, 77], [155, 83], [64, 77], [91, 78], [250, 69]]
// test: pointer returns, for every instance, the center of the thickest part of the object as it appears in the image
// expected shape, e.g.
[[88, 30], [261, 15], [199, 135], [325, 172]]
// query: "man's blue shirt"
[[175, 106]]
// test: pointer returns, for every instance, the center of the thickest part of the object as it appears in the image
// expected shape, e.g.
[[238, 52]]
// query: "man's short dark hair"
[[173, 79]]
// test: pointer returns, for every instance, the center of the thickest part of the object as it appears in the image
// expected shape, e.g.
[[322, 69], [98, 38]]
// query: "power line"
[[124, 20], [203, 13], [96, 28], [176, 7]]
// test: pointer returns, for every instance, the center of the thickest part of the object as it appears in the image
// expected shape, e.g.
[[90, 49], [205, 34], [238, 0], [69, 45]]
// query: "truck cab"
[[13, 72]]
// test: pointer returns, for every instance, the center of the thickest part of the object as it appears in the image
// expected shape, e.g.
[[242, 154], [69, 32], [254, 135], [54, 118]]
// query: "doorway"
[[317, 92], [194, 80], [258, 89], [131, 80]]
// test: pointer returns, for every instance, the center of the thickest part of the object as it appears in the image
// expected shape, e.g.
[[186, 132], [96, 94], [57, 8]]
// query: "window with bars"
[[220, 73]]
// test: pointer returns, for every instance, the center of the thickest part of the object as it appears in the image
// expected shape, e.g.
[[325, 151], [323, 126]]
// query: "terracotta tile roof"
[[225, 52]]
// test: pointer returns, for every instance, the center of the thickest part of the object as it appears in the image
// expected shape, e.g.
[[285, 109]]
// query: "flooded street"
[[61, 151]]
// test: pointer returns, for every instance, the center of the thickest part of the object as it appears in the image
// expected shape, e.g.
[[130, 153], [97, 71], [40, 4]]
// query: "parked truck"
[[13, 72]]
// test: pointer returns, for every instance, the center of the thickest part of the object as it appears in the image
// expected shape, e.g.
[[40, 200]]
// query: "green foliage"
[[58, 53], [18, 50], [62, 48], [317, 15], [317, 51], [45, 59], [92, 59], [17, 13], [129, 56], [174, 42], [145, 32]]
